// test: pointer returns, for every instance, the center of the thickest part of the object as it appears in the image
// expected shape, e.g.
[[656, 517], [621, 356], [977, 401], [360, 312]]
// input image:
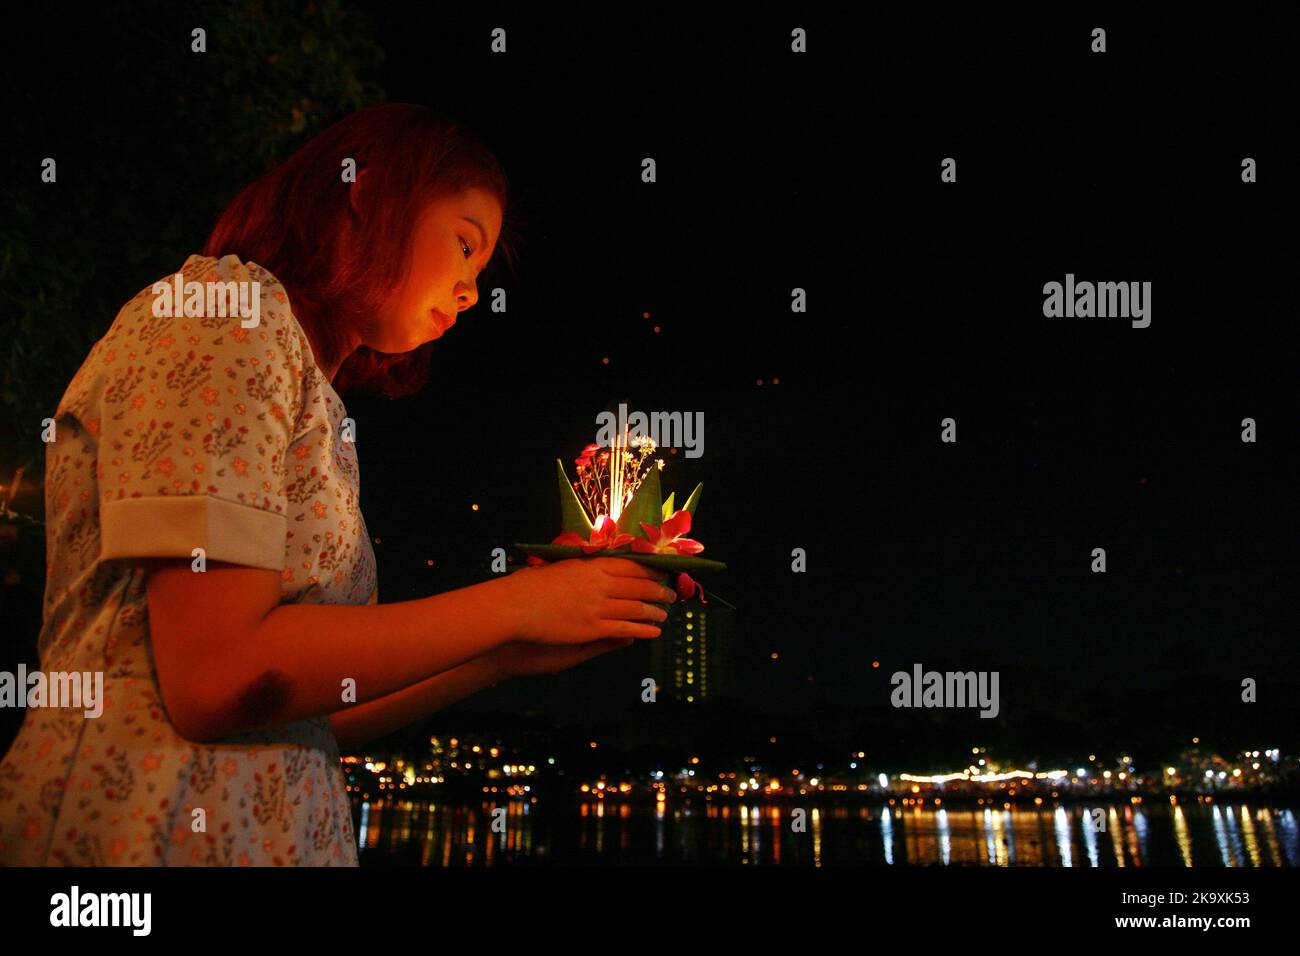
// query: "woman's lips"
[[441, 321]]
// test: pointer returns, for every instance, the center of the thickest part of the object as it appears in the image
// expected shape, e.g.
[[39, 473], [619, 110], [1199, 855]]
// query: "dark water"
[[1154, 833]]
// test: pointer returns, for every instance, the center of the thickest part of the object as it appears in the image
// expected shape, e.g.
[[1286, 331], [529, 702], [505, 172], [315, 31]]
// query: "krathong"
[[616, 508]]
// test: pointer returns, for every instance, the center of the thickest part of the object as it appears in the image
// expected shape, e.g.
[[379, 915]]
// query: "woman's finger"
[[625, 629], [622, 567], [631, 610], [639, 589]]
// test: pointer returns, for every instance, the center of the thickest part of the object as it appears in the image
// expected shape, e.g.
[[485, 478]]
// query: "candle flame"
[[616, 474], [610, 489]]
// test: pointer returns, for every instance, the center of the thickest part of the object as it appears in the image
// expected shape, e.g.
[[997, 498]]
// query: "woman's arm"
[[357, 724], [231, 658]]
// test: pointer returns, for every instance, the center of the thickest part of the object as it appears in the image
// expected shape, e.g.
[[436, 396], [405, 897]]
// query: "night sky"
[[821, 171], [925, 301]]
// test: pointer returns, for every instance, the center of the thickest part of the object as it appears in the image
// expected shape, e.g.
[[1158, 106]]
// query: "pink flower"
[[666, 538], [604, 535], [687, 587]]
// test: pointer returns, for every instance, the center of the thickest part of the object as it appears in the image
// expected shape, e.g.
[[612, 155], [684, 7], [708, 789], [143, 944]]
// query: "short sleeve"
[[193, 419]]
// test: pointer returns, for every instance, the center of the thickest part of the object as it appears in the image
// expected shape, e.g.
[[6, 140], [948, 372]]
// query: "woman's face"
[[453, 241]]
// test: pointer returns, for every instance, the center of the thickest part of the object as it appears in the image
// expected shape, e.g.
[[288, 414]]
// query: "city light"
[[440, 770]]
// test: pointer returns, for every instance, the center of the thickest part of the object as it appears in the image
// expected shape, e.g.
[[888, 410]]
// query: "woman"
[[206, 551]]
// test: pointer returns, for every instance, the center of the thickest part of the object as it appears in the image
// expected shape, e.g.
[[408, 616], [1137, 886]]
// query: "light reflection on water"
[[1155, 834]]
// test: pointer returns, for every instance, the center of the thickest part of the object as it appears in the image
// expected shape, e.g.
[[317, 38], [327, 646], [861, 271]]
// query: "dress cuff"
[[172, 526]]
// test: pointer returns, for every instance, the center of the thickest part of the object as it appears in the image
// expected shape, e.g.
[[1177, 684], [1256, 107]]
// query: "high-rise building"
[[689, 660]]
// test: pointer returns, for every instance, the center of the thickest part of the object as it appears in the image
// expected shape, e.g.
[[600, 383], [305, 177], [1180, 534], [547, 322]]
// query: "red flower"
[[604, 535], [590, 450], [687, 588], [666, 538]]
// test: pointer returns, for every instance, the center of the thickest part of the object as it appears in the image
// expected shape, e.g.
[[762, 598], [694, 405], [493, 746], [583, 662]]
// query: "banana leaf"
[[572, 515], [645, 506], [665, 562]]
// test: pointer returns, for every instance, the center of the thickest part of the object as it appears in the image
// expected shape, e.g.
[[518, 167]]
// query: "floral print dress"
[[178, 433]]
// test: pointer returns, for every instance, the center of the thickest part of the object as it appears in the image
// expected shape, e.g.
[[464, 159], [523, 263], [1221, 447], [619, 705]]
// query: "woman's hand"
[[523, 658], [579, 600]]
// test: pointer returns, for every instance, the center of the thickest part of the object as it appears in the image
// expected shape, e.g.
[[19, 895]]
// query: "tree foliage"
[[151, 140]]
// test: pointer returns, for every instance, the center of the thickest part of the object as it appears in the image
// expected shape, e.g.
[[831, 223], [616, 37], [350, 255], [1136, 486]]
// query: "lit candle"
[[616, 477]]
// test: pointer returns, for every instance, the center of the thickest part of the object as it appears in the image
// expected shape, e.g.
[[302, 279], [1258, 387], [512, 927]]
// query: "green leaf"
[[666, 562], [572, 515], [694, 499], [646, 504], [668, 507]]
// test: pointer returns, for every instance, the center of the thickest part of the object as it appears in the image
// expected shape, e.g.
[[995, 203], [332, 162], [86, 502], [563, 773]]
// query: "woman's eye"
[[465, 246]]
